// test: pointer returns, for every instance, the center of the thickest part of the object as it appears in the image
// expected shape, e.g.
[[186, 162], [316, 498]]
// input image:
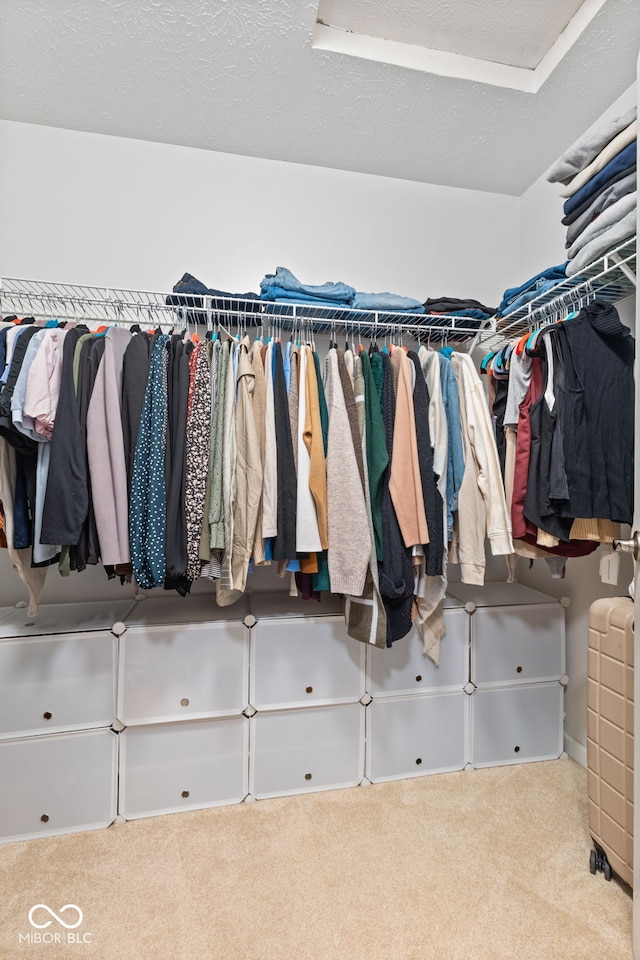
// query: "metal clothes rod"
[[128, 307]]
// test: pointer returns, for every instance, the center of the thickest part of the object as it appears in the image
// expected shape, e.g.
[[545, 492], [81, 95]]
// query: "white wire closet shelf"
[[108, 305], [611, 278]]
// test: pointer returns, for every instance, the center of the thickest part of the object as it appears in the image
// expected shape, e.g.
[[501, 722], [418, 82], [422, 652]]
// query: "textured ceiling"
[[241, 76], [517, 33]]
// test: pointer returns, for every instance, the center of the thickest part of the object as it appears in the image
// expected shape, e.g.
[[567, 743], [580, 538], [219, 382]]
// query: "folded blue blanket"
[[286, 281], [622, 161]]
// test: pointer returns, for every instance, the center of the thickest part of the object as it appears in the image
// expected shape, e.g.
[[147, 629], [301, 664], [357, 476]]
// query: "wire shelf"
[[108, 305], [611, 278]]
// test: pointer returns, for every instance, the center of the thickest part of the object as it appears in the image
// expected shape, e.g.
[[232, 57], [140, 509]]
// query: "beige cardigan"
[[405, 484]]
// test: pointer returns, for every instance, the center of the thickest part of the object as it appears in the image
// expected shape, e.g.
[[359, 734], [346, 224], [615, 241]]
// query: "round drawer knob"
[[47, 715], [184, 702], [518, 669], [185, 794], [516, 749], [309, 690], [45, 818], [418, 678], [419, 761], [307, 776]]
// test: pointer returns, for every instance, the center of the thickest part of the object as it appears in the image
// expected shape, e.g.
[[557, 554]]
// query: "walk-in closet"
[[317, 449]]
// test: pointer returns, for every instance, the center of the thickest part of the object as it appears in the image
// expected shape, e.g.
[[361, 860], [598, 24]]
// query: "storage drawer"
[[57, 784], [306, 660], [166, 768], [520, 643], [187, 671], [515, 724], [410, 736], [297, 751], [404, 668], [57, 683]]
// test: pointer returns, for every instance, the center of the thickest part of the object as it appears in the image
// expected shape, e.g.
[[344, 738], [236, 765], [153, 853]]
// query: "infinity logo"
[[47, 923]]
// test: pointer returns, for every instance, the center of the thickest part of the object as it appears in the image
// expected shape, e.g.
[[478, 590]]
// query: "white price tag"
[[610, 567]]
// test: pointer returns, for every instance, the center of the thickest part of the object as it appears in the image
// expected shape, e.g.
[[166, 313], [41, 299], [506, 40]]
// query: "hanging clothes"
[[176, 560], [248, 479], [105, 449], [597, 415], [348, 527], [405, 484], [284, 547], [147, 515]]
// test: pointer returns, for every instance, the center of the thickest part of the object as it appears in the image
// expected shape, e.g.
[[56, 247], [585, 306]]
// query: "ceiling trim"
[[455, 65]]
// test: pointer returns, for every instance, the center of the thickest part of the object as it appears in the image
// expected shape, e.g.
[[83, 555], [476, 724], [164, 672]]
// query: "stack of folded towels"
[[600, 188]]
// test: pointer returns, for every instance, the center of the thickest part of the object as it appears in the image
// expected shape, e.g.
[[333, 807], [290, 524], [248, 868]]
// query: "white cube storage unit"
[[306, 661], [517, 673], [188, 705], [183, 684], [307, 749], [404, 668], [515, 724], [170, 767], [58, 677], [177, 671], [57, 683], [62, 783], [307, 680], [417, 721], [416, 735]]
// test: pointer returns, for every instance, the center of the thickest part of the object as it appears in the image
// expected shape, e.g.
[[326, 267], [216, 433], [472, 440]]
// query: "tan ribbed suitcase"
[[610, 736]]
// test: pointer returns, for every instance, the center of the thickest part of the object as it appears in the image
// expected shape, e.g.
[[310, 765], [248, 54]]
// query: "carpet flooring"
[[483, 865]]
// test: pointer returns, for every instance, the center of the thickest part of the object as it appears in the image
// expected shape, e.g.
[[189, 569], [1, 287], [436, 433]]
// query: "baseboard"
[[576, 750]]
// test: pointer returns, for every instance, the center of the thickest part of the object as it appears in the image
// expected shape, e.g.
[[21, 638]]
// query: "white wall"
[[85, 208], [542, 243], [93, 209]]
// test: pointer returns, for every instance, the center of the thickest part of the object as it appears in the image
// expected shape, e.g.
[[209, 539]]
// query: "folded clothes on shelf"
[[188, 293], [624, 161], [605, 199], [450, 304], [581, 153], [516, 297], [283, 286], [612, 149], [278, 295], [392, 302], [189, 284], [603, 222], [586, 203], [603, 243], [283, 279]]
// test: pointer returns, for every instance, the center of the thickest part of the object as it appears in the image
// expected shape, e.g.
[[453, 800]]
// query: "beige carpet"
[[486, 864]]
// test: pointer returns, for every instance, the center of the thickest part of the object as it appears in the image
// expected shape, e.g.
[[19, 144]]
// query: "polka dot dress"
[[198, 437], [147, 514]]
